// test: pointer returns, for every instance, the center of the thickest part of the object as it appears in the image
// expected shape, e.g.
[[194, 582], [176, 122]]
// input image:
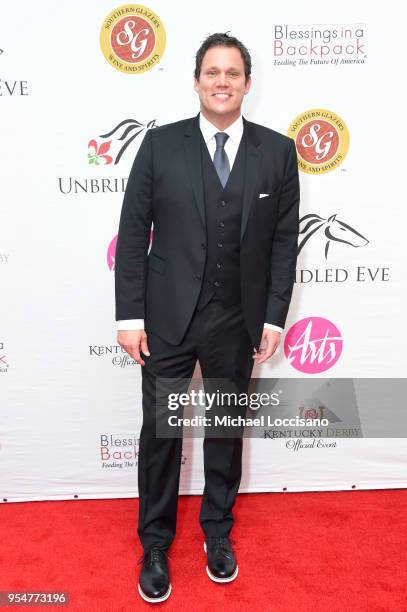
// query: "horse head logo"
[[333, 230], [123, 134]]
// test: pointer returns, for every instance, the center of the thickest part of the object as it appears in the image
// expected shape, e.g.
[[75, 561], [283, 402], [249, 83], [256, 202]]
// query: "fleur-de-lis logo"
[[97, 154]]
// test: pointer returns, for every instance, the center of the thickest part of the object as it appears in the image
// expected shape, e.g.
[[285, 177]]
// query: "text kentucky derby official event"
[[202, 263]]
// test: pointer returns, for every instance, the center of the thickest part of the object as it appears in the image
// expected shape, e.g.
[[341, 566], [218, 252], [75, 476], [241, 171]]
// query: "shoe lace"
[[221, 545], [153, 555]]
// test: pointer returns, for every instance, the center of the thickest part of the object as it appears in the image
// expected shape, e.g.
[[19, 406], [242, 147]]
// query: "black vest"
[[223, 210]]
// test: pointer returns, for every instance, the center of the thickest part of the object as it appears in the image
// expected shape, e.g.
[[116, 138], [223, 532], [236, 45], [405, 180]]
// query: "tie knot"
[[221, 138]]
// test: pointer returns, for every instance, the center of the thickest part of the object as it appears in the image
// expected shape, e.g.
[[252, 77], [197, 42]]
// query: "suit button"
[[223, 203], [203, 246], [197, 277], [221, 224], [220, 245], [216, 283], [219, 265]]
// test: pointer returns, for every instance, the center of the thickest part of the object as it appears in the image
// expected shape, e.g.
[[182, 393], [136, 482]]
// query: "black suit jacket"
[[165, 188]]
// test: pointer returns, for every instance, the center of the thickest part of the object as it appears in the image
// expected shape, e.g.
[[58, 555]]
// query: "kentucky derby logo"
[[132, 38], [313, 408], [322, 140], [331, 230], [313, 345], [120, 138]]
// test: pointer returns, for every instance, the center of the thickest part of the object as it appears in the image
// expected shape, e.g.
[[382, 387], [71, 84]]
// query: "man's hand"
[[268, 345], [133, 342]]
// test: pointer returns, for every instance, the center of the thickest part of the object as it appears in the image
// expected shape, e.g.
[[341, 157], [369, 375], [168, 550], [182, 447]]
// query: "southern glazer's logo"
[[321, 138], [313, 345], [132, 38], [121, 451], [3, 362], [107, 150], [325, 238], [319, 44]]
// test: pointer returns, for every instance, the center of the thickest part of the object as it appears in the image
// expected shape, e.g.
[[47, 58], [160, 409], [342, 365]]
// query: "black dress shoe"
[[222, 565], [154, 584]]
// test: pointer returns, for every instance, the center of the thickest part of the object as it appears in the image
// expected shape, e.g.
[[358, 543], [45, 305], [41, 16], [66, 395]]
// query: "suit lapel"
[[193, 160], [253, 159]]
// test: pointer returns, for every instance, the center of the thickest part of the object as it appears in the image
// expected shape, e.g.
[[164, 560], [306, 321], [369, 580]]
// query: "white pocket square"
[[263, 195]]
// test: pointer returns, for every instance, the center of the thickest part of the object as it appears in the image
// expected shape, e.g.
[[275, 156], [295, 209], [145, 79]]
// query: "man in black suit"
[[222, 194]]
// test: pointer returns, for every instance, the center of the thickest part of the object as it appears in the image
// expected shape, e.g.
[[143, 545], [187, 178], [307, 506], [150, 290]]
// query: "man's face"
[[222, 85]]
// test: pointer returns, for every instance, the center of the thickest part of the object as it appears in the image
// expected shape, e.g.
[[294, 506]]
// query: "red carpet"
[[342, 551]]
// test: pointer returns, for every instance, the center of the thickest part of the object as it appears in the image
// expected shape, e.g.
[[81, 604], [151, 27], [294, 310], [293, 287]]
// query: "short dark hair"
[[222, 40]]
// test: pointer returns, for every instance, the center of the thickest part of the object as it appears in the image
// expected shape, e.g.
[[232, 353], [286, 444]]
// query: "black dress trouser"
[[216, 336]]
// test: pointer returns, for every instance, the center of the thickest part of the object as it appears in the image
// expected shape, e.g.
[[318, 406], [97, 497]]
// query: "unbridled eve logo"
[[115, 142], [331, 229], [322, 140], [132, 38], [313, 345]]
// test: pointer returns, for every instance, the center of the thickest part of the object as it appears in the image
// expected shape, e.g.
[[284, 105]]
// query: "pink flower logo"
[[97, 153], [313, 345], [311, 413]]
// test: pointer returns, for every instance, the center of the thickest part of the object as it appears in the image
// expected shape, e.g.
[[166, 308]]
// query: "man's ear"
[[248, 85], [196, 84]]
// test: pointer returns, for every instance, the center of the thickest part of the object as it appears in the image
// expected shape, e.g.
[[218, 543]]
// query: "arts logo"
[[328, 230], [110, 147], [322, 140], [111, 251], [111, 254], [132, 38], [313, 345]]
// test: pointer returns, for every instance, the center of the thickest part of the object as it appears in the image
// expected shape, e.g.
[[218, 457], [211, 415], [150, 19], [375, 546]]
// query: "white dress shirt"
[[235, 133]]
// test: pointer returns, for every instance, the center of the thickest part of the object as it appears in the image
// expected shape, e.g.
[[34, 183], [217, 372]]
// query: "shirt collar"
[[234, 131]]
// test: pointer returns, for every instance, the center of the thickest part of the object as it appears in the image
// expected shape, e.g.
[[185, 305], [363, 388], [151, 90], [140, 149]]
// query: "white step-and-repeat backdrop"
[[80, 84]]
